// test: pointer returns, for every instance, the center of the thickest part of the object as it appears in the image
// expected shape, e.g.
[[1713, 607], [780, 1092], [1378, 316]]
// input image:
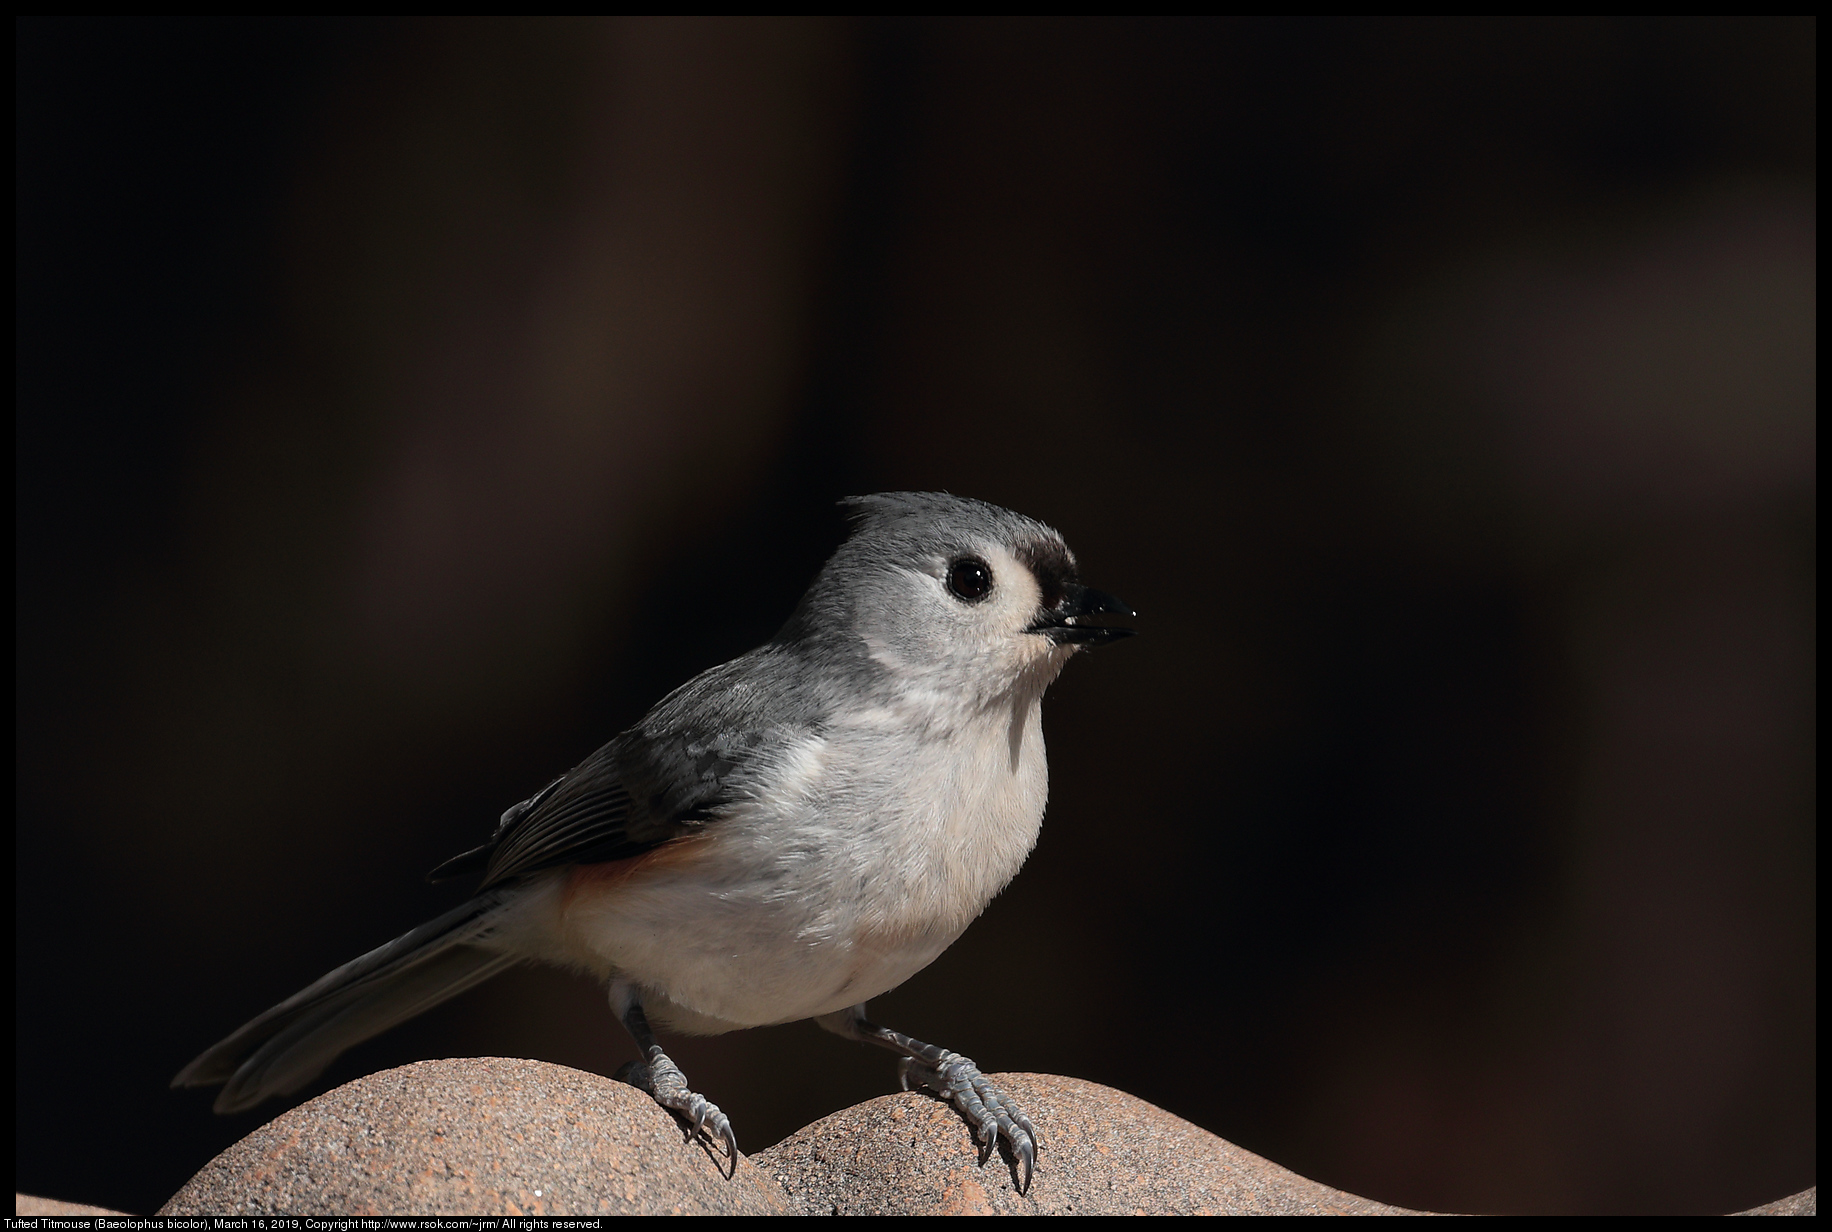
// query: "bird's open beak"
[[1063, 625]]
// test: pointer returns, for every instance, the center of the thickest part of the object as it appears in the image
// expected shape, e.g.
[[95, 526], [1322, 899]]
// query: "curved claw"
[[668, 1086], [712, 1124], [989, 1113], [731, 1148]]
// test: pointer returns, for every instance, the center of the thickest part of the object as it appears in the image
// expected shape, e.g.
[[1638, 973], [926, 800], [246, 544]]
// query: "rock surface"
[[31, 1204], [482, 1136], [1802, 1203], [488, 1136], [1104, 1153]]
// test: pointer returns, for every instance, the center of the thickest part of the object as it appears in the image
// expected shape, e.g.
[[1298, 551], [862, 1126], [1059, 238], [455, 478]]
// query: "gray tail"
[[290, 1044]]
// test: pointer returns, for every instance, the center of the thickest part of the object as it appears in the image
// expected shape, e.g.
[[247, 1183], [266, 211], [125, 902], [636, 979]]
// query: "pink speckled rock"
[[483, 1136], [1806, 1202], [1104, 1153], [502, 1137], [31, 1204]]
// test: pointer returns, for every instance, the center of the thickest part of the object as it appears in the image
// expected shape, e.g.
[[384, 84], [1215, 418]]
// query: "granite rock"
[[1803, 1203], [32, 1204], [481, 1136], [489, 1136], [1104, 1153]]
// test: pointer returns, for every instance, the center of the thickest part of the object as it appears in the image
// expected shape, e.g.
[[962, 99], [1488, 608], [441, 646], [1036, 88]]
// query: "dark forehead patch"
[[1052, 565]]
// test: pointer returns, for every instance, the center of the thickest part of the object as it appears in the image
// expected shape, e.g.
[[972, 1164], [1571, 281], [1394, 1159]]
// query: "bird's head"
[[952, 594]]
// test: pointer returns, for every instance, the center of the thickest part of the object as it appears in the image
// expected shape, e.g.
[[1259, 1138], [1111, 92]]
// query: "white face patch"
[[1001, 621], [951, 620], [953, 652]]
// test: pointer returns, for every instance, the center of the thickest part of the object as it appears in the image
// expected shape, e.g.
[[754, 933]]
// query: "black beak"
[[1062, 623]]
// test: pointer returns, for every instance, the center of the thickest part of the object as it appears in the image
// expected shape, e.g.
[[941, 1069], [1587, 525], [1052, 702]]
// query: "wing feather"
[[584, 826], [697, 751]]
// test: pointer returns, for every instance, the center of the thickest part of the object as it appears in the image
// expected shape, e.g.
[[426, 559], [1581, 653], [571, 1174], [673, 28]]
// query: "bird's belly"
[[775, 915], [725, 992], [714, 956]]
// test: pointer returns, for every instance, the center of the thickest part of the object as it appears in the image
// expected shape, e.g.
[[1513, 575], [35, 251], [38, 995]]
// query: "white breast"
[[877, 845]]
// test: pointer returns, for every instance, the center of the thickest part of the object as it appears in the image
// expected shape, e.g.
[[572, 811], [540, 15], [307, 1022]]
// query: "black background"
[[404, 406]]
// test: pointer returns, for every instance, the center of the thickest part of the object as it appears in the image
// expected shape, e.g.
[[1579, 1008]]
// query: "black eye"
[[969, 579]]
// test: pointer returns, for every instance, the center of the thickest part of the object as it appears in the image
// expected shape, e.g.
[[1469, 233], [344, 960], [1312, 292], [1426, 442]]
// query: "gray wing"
[[703, 747]]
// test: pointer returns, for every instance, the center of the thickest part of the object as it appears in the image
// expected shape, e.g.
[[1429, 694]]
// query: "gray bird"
[[783, 837]]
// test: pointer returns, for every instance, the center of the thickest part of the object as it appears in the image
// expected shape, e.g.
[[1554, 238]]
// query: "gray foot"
[[991, 1113], [663, 1080]]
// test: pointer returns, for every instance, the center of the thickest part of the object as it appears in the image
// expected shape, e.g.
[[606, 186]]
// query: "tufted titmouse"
[[783, 837]]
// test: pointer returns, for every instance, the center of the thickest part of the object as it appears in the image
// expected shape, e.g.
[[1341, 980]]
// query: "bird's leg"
[[662, 1078], [956, 1079]]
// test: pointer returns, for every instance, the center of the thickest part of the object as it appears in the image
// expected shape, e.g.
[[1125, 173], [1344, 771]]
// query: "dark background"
[[403, 407]]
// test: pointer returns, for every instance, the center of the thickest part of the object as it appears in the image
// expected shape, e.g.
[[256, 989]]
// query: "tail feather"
[[290, 1044], [300, 1053]]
